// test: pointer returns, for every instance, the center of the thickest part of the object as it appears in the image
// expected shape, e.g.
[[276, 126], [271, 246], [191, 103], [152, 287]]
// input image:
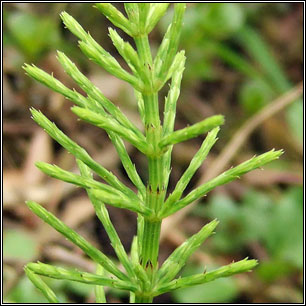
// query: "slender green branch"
[[197, 279], [226, 177], [69, 177], [133, 13], [140, 105], [178, 258], [78, 151], [54, 84], [110, 125], [103, 216], [75, 238], [172, 97], [79, 276], [127, 52], [116, 17], [98, 58], [170, 42], [99, 290], [96, 53], [41, 285], [103, 192], [177, 61], [156, 12], [128, 165], [170, 113], [121, 202], [192, 131], [139, 270], [194, 165], [144, 9], [93, 92]]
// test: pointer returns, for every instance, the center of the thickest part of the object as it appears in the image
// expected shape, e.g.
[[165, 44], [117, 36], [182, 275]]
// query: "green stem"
[[144, 52], [155, 192], [150, 245], [155, 189], [143, 299]]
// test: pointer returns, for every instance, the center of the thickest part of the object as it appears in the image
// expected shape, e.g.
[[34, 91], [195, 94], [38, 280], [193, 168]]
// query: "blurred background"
[[240, 59]]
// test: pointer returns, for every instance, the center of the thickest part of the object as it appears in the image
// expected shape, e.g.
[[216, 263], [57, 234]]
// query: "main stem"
[[155, 192], [155, 189]]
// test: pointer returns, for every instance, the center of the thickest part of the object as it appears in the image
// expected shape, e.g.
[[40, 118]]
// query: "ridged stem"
[[155, 189], [155, 193]]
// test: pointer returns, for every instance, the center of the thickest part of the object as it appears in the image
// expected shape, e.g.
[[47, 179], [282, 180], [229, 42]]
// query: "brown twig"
[[59, 254], [246, 129]]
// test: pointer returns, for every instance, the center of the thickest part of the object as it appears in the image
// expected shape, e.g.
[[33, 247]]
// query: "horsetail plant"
[[142, 277]]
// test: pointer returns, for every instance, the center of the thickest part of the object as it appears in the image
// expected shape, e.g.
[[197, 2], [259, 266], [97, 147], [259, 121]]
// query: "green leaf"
[[254, 95], [270, 271], [255, 215], [222, 290], [276, 223], [221, 20], [285, 236], [254, 44], [25, 292], [274, 74], [294, 117], [19, 245], [229, 229], [33, 35]]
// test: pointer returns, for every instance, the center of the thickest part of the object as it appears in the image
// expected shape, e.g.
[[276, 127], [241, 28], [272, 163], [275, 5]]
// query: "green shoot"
[[141, 275]]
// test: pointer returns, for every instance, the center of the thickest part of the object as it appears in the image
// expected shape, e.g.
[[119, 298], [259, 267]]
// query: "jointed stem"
[[155, 189], [150, 246]]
